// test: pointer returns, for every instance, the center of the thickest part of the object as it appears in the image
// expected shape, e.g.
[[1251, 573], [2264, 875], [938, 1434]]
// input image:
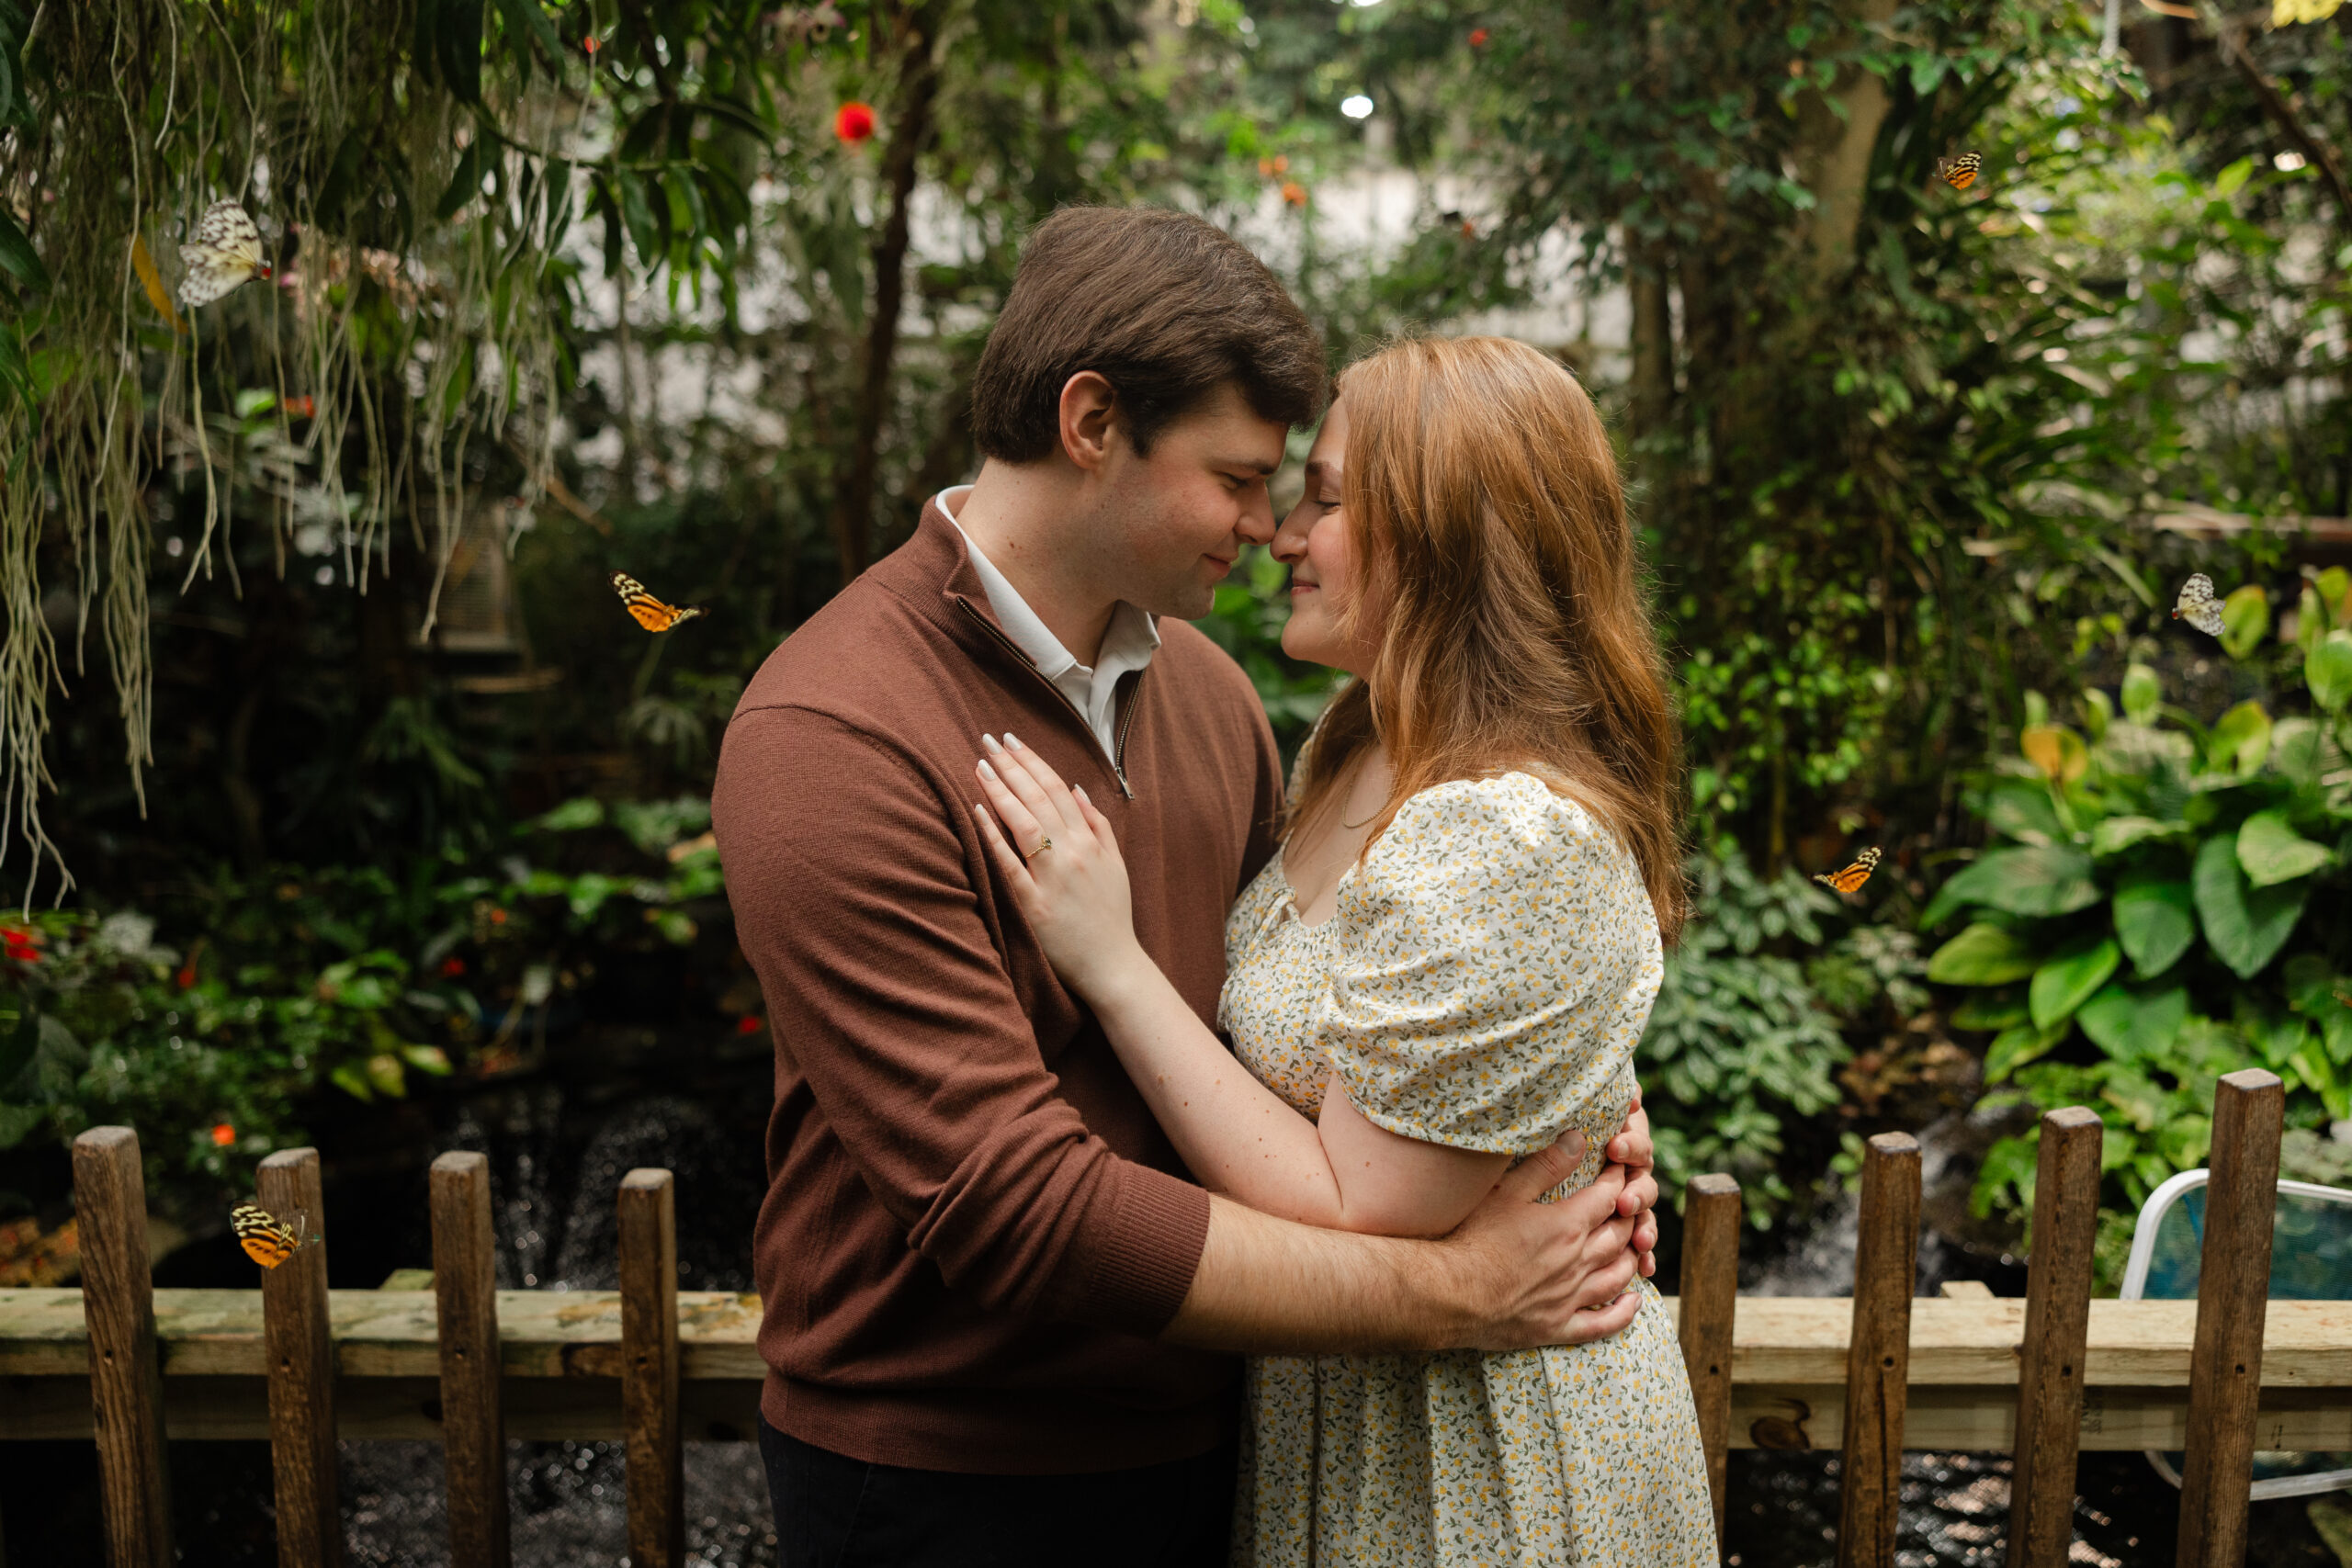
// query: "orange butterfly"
[[1959, 173], [650, 612], [268, 1240], [1850, 880]]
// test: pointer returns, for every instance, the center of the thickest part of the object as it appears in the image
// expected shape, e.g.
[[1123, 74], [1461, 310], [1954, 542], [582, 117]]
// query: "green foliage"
[[351, 982], [2175, 912], [1740, 1041]]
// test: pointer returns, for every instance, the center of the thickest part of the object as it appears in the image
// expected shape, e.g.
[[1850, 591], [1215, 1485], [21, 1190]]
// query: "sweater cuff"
[[1139, 1246]]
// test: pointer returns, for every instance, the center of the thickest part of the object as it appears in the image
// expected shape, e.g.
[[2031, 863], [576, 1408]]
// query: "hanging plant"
[[346, 222]]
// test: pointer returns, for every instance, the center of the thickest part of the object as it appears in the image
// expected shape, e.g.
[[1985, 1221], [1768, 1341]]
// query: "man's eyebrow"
[[1250, 463]]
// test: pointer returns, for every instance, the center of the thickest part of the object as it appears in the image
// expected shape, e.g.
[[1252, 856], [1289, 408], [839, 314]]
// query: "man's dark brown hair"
[[1164, 306]]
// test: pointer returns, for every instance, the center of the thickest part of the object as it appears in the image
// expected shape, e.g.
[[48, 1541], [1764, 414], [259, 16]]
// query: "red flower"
[[853, 122], [302, 408], [186, 977], [223, 1136], [498, 916], [749, 1024], [452, 967], [1478, 38], [23, 945], [589, 43]]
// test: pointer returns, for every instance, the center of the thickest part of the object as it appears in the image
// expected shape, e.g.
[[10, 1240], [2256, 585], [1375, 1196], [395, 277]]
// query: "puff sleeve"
[[1494, 960]]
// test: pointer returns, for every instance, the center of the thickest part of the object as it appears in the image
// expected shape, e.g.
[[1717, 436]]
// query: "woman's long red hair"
[[1492, 544]]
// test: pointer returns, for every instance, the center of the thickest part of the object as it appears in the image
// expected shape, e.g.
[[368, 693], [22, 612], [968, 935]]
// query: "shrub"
[[2164, 902]]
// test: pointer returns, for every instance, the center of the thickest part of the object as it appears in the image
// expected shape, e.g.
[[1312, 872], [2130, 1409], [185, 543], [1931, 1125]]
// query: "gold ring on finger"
[[1043, 845]]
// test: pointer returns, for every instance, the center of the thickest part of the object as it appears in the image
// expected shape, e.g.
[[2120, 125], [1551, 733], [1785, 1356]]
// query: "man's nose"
[[1256, 525]]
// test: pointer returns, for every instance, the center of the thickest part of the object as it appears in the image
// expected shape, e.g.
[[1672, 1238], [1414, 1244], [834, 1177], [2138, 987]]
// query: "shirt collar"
[[1129, 642]]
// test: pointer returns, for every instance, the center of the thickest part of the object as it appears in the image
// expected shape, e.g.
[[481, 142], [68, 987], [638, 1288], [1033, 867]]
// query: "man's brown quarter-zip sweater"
[[972, 1226]]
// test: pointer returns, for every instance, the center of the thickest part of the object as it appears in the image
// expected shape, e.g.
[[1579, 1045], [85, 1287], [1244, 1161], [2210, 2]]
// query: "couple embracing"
[[1170, 1167]]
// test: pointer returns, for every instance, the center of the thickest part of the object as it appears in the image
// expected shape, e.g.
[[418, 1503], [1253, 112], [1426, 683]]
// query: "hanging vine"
[[414, 168]]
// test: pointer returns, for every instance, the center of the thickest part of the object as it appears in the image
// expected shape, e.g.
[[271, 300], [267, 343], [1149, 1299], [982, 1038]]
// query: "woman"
[[1446, 965]]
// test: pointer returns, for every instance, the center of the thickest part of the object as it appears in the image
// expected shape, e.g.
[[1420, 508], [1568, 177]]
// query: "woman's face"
[[1312, 542]]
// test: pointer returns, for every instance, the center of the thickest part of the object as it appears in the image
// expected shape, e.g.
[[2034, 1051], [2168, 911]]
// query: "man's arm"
[[1516, 1273]]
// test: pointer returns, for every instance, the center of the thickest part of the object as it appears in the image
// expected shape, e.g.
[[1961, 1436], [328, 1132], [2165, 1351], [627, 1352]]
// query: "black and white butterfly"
[[225, 254], [2198, 606]]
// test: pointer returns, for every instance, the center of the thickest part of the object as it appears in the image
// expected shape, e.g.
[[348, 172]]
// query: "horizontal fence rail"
[[561, 1356], [440, 1355]]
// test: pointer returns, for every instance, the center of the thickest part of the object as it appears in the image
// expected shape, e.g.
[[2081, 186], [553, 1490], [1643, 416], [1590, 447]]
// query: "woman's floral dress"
[[1481, 984]]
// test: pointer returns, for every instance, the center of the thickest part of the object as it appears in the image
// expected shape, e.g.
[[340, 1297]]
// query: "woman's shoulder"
[[1505, 815]]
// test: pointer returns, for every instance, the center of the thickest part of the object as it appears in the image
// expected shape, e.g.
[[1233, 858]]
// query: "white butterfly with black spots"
[[2198, 606], [225, 254]]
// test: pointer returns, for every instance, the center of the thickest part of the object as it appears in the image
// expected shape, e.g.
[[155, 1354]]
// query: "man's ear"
[[1088, 418]]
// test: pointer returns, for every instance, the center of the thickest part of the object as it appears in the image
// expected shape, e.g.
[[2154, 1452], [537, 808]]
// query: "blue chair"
[[2311, 1260]]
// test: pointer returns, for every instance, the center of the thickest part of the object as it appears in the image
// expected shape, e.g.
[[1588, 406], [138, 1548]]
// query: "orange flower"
[[853, 122], [1478, 38], [589, 43], [498, 916], [223, 1136], [1293, 194]]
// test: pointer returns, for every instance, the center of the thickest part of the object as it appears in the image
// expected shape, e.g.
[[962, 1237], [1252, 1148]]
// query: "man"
[[1000, 1319]]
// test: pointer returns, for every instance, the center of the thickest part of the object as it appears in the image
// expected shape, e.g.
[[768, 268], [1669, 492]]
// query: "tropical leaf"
[[2271, 851], [2244, 925], [1983, 955], [2155, 922], [2067, 982]]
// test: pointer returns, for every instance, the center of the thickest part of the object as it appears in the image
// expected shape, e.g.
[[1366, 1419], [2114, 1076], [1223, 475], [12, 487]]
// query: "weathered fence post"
[[1710, 1216], [656, 1523], [126, 1382], [473, 1415], [300, 1349], [2057, 1331], [2232, 1299], [1878, 1353]]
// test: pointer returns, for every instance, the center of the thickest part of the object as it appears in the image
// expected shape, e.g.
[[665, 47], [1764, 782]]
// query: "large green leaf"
[[2244, 925], [2129, 1024], [2271, 851], [2239, 741], [1982, 955], [2245, 616], [2015, 1046], [2038, 879], [2156, 924], [2117, 834], [2328, 670], [2068, 981]]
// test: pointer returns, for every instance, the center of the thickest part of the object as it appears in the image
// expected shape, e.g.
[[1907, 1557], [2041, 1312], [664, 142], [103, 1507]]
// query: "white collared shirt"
[[1128, 643]]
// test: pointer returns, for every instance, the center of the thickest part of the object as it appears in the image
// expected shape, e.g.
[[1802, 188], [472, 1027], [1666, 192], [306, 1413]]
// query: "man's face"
[[1167, 527]]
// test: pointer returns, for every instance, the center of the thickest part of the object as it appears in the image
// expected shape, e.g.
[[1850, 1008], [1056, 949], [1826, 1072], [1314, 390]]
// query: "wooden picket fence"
[[470, 1365]]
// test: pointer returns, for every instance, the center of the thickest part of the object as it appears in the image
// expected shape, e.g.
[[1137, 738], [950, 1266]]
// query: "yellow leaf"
[[2058, 752]]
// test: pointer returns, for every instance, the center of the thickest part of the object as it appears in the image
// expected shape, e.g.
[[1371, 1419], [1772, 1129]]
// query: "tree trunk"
[[1834, 151], [918, 86]]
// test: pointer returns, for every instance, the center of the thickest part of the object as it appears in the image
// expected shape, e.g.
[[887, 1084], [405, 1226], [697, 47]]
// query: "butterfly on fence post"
[[2198, 606], [225, 254], [1851, 878], [651, 613], [268, 1240], [1961, 173]]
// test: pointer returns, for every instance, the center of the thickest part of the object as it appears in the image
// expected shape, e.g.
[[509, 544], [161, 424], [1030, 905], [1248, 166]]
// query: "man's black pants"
[[833, 1512]]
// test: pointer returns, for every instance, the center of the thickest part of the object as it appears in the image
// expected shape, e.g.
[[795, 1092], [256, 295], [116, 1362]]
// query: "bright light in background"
[[1356, 106]]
